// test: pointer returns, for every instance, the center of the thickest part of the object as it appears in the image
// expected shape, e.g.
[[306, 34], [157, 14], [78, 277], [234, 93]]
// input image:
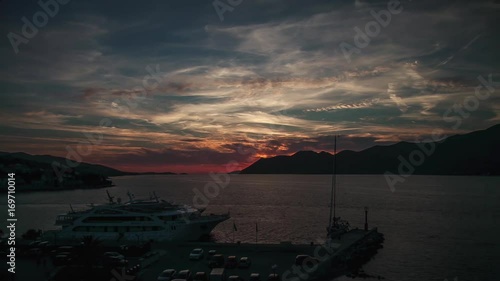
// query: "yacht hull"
[[184, 231]]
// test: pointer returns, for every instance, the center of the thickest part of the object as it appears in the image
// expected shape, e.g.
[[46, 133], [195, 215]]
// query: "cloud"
[[364, 104], [270, 77]]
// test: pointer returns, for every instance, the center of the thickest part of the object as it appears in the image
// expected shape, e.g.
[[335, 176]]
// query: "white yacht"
[[138, 220]]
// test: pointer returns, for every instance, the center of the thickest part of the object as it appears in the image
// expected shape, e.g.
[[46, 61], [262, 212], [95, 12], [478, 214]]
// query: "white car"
[[113, 255], [196, 254], [167, 275]]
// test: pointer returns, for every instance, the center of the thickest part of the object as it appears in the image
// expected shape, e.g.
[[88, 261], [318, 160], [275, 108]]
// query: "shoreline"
[[22, 190]]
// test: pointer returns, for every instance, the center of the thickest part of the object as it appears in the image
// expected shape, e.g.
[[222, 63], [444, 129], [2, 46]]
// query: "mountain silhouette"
[[475, 153]]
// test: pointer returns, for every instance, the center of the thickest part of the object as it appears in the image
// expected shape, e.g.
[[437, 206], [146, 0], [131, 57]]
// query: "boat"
[[336, 226], [138, 220], [351, 247]]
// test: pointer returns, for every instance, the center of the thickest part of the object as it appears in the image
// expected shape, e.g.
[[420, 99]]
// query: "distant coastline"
[[24, 189], [472, 154], [37, 173]]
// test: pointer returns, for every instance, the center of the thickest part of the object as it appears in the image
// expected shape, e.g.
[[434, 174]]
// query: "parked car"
[[62, 249], [254, 277], [113, 254], [302, 260], [167, 275], [67, 254], [235, 278], [45, 246], [211, 253], [134, 250], [245, 262], [200, 276], [273, 277], [34, 252], [196, 254], [231, 262], [34, 244], [62, 259], [184, 274], [113, 261], [133, 270], [217, 274], [216, 261]]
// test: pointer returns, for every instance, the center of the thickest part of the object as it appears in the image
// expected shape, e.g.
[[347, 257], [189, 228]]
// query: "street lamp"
[[366, 218]]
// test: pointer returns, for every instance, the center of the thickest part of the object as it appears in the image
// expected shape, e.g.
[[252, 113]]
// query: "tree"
[[32, 234], [90, 248]]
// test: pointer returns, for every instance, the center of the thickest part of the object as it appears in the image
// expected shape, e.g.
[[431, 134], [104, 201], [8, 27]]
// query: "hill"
[[46, 172], [49, 159], [476, 153]]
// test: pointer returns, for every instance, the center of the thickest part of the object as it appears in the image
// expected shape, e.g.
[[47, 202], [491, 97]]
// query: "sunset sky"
[[270, 78]]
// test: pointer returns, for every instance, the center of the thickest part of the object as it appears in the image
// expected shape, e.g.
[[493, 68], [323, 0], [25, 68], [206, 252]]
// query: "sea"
[[435, 227]]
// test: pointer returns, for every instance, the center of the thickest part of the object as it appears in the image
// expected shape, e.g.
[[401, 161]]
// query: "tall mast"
[[334, 183], [110, 198], [334, 176]]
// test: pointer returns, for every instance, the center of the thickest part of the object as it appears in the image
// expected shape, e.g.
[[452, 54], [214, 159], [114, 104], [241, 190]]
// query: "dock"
[[329, 258], [333, 258]]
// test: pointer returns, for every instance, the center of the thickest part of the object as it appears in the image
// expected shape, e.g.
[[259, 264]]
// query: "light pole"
[[366, 218]]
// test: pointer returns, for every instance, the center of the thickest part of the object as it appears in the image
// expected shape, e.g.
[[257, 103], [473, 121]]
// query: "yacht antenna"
[[155, 196], [71, 207], [110, 198], [130, 195]]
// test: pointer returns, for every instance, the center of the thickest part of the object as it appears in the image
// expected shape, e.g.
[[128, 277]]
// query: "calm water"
[[436, 227]]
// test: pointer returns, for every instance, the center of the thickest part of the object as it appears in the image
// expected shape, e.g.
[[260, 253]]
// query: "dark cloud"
[[164, 157], [269, 79]]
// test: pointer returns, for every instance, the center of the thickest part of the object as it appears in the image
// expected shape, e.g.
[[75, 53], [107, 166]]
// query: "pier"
[[328, 258]]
